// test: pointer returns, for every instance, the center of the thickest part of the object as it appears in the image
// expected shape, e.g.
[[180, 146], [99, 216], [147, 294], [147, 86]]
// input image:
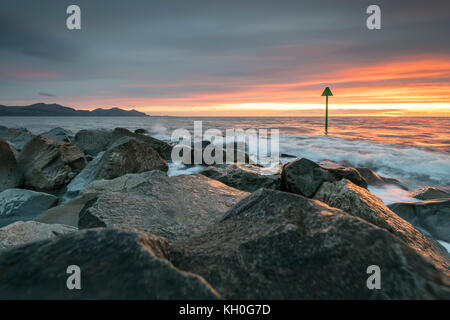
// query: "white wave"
[[179, 169], [391, 194], [446, 245], [414, 167]]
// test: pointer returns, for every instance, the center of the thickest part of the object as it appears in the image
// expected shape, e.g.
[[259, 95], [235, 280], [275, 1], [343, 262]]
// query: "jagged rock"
[[10, 176], [304, 176], [59, 134], [361, 203], [171, 207], [93, 141], [277, 245], [17, 137], [127, 155], [46, 163], [245, 177], [20, 232], [66, 213], [20, 204], [430, 193], [432, 215], [114, 264], [374, 179]]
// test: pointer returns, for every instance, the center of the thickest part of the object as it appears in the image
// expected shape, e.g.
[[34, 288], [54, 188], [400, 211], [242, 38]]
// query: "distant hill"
[[56, 110]]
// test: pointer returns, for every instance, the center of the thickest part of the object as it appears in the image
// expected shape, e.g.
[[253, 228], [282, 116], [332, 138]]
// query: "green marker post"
[[326, 93]]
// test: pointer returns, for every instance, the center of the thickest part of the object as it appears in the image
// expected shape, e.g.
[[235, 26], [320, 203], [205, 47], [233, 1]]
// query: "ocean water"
[[414, 150]]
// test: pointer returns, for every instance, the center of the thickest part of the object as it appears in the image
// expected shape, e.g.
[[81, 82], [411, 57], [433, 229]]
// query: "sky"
[[228, 58]]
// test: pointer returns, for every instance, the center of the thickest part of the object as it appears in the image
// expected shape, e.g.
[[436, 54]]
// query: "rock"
[[59, 134], [207, 148], [20, 204], [19, 233], [18, 137], [171, 207], [429, 193], [114, 264], [245, 177], [374, 179], [127, 155], [10, 176], [88, 174], [93, 141], [361, 203], [125, 182], [304, 176], [66, 213], [431, 215], [46, 163], [277, 245], [140, 131], [163, 148]]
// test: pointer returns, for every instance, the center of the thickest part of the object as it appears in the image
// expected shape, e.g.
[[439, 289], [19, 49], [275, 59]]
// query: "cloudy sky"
[[207, 57]]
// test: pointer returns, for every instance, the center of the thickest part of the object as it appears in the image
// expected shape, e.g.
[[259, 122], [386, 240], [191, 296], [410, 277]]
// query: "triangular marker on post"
[[327, 92]]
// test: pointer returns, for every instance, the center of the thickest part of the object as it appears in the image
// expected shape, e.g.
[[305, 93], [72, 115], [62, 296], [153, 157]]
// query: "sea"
[[413, 150]]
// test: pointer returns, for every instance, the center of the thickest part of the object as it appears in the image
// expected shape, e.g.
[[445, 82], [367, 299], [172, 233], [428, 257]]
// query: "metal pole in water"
[[327, 92]]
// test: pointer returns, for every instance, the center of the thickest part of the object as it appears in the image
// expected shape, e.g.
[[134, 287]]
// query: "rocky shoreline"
[[102, 200]]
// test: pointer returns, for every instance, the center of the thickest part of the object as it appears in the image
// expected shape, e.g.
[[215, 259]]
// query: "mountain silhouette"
[[56, 110]]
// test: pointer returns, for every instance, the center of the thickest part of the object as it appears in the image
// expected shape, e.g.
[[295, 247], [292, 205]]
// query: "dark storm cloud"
[[125, 42]]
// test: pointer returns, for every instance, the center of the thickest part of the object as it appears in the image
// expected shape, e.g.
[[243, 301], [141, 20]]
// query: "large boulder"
[[47, 163], [127, 155], [171, 207], [93, 141], [433, 216], [59, 134], [430, 193], [10, 176], [163, 148], [20, 232], [245, 177], [304, 176], [18, 137], [197, 151], [87, 175], [361, 203], [277, 245], [113, 264], [20, 204]]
